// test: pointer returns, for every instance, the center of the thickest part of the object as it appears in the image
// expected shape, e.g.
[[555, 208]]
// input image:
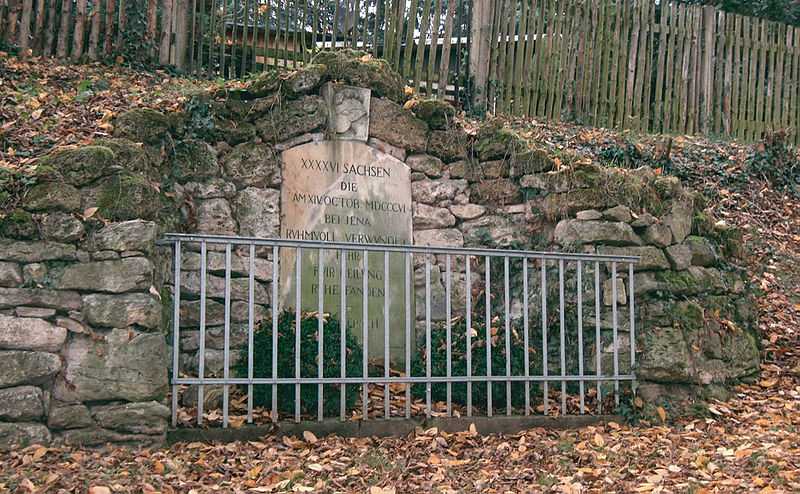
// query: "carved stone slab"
[[348, 111], [346, 191]]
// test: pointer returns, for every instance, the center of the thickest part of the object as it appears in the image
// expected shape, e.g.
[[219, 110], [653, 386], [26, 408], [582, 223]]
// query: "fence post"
[[479, 50]]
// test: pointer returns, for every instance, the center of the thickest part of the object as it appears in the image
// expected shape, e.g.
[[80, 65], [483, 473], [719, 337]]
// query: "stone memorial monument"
[[342, 190]]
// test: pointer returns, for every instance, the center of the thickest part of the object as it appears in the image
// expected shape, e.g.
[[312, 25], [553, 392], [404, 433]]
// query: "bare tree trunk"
[[24, 38], [80, 29], [122, 25], [181, 38], [38, 27], [166, 31], [63, 31], [94, 36], [13, 17], [109, 28], [50, 33]]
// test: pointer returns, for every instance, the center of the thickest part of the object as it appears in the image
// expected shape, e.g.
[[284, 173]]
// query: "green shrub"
[[262, 362], [458, 338]]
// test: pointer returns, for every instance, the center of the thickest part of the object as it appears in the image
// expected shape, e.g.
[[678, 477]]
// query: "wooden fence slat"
[[568, 83], [645, 125], [13, 18], [633, 59], [562, 44], [510, 54], [726, 99], [582, 61], [409, 40], [519, 64], [94, 34], [553, 34], [444, 67], [762, 72], [63, 32], [669, 78], [24, 32], [686, 71], [794, 104], [721, 67], [433, 48], [659, 114], [536, 69], [49, 29], [420, 51], [601, 72], [784, 63]]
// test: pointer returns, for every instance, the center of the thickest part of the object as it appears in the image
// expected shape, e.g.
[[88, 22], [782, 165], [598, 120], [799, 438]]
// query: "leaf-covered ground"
[[751, 443]]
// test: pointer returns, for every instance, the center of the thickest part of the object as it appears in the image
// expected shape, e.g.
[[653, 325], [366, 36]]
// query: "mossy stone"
[[142, 125], [17, 224], [557, 206], [79, 166], [292, 118], [52, 196], [530, 161], [305, 80], [449, 145], [132, 157], [128, 197], [233, 132], [493, 142], [195, 161], [265, 84], [438, 113], [251, 164], [469, 168], [356, 68]]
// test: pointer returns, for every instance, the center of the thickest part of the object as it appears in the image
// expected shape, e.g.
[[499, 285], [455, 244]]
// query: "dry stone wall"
[[85, 292]]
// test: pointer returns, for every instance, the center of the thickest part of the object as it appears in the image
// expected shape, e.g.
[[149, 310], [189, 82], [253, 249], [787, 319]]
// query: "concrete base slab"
[[385, 428]]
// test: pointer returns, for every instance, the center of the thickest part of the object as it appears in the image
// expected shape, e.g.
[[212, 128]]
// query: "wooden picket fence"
[[665, 67], [633, 64]]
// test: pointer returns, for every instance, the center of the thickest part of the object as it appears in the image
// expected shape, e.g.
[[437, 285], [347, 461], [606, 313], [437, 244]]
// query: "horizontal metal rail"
[[171, 238], [553, 355]]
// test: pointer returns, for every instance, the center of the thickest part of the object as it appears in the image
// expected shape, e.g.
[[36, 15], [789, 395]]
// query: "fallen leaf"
[[309, 437]]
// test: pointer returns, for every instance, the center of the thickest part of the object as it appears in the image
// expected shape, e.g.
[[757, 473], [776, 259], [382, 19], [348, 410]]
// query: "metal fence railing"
[[463, 331]]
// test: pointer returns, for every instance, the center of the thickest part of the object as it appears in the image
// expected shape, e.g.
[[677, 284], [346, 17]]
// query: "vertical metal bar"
[[488, 337], [320, 328], [632, 323], [250, 322], [176, 334], [226, 345], [546, 385], [386, 390], [297, 331], [408, 331], [562, 335], [614, 318], [274, 301], [507, 306], [526, 329], [449, 340], [342, 332], [580, 333], [201, 366], [468, 295], [427, 334], [598, 342], [365, 333]]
